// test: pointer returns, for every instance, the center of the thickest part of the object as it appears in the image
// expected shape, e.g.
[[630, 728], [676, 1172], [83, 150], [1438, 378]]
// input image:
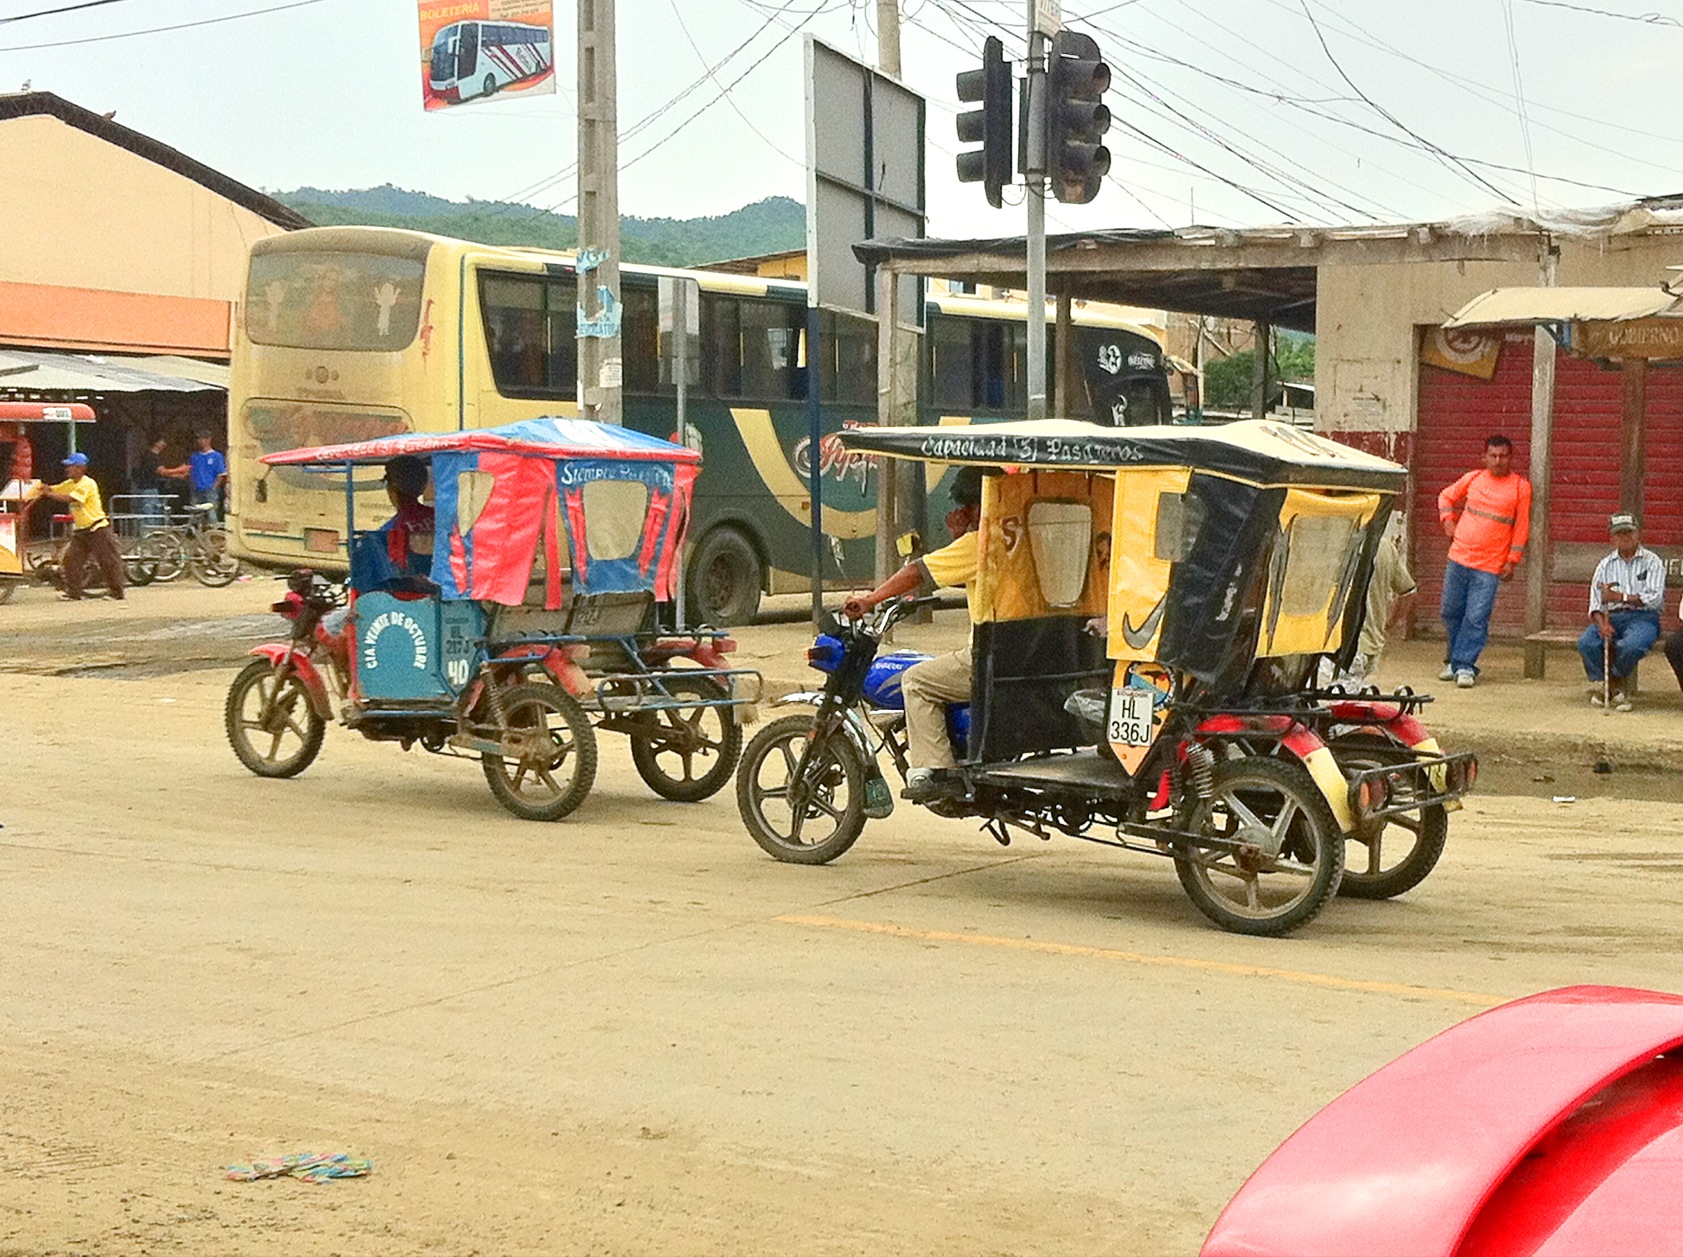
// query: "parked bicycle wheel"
[[165, 553], [213, 569]]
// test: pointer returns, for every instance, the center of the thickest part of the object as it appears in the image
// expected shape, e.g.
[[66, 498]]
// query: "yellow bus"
[[348, 333]]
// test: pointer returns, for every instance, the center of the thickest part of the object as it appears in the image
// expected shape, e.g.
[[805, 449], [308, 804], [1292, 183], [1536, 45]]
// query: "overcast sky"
[[1228, 112]]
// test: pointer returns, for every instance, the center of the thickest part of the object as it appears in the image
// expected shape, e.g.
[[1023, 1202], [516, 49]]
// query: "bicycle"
[[194, 545]]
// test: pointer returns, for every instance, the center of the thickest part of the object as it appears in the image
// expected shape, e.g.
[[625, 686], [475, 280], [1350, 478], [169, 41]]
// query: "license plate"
[[321, 541], [1130, 717]]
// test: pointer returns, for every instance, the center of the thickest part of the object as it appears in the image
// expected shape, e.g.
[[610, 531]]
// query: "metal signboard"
[[865, 176]]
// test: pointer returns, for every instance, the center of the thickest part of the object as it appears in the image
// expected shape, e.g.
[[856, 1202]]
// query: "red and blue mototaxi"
[[525, 620]]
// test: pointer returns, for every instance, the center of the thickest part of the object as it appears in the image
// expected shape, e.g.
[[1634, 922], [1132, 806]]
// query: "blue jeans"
[[213, 495], [1468, 596], [1633, 633]]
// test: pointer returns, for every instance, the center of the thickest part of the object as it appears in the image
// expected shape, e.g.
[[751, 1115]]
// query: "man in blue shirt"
[[1624, 610], [206, 472]]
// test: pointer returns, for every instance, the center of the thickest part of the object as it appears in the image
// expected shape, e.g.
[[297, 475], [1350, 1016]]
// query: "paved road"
[[632, 1033]]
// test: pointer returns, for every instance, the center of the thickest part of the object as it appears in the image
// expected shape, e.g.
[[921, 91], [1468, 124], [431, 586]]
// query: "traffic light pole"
[[1035, 126], [600, 365]]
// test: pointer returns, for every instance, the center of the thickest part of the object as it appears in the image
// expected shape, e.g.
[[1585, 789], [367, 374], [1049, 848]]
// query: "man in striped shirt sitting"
[[1624, 609]]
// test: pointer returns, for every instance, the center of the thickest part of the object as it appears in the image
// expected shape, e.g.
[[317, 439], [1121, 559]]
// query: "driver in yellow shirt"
[[929, 686]]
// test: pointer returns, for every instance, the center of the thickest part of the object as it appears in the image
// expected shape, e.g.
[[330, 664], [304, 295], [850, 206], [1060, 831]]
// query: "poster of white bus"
[[473, 49]]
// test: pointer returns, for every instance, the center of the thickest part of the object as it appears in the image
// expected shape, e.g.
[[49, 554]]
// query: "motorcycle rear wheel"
[[778, 796], [1265, 896], [282, 707]]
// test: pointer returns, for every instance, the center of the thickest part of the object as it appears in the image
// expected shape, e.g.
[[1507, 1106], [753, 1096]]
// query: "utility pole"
[[888, 37], [601, 366], [1035, 174]]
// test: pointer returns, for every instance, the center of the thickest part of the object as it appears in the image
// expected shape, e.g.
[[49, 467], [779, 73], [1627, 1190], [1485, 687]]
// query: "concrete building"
[[1389, 379], [121, 261]]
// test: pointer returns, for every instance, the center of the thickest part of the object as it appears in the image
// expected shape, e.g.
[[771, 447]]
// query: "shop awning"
[[45, 372], [1502, 306]]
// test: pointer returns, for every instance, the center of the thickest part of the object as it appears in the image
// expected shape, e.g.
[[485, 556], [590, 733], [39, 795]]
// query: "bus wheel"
[[724, 579], [490, 84]]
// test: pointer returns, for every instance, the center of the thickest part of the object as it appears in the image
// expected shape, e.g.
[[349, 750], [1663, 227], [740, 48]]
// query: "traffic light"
[[1076, 118], [990, 126]]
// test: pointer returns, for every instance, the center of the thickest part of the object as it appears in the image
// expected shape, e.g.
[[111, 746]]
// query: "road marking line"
[[1144, 958]]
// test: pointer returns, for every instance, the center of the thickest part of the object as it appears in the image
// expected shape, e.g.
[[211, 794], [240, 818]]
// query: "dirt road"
[[632, 1033]]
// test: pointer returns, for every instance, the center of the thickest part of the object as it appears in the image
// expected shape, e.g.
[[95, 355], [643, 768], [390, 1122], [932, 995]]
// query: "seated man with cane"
[[1624, 608]]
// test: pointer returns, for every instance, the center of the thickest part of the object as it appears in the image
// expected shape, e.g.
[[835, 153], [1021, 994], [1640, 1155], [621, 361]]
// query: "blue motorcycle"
[[809, 782]]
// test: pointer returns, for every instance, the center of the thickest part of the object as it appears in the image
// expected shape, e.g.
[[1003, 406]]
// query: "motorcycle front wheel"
[[801, 812], [1264, 803], [271, 724]]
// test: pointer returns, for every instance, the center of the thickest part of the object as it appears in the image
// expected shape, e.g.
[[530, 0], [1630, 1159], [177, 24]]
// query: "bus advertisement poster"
[[474, 50]]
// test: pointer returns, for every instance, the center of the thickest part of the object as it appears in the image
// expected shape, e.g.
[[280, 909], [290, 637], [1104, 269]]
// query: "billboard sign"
[[473, 50], [864, 176]]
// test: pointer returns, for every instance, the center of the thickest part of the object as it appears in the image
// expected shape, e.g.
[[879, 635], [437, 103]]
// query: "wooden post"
[[600, 366], [1539, 552], [888, 415], [1262, 336], [1068, 399], [1633, 462]]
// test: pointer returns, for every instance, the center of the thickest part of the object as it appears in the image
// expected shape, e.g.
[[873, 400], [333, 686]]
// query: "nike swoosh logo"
[[1139, 638]]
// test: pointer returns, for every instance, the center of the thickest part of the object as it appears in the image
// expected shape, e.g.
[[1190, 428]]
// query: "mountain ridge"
[[770, 225]]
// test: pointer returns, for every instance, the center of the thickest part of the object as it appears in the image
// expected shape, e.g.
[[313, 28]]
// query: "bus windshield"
[[363, 301], [443, 61]]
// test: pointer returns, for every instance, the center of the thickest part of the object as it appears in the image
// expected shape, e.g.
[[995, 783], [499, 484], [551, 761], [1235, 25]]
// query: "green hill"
[[767, 226]]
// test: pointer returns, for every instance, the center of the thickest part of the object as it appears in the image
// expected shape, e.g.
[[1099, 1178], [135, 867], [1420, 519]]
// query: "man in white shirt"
[[1624, 609]]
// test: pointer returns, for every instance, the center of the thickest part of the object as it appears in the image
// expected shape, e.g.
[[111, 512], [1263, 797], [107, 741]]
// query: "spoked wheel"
[[214, 568], [554, 761], [271, 725], [165, 554], [688, 754], [1386, 857], [1292, 857], [802, 800], [140, 569]]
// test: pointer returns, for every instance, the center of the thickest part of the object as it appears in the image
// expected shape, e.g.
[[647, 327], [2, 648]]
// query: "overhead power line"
[[159, 30], [1652, 19], [1448, 159], [68, 8]]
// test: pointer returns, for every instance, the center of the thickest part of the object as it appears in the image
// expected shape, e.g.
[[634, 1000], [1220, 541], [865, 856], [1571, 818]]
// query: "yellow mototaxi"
[[1151, 611]]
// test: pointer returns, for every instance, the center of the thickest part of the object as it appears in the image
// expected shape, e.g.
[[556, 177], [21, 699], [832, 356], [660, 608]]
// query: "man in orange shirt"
[[1486, 515]]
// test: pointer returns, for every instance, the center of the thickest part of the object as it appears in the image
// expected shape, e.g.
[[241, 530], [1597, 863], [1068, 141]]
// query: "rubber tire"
[[490, 85], [238, 737], [584, 748], [140, 568], [1291, 779], [7, 589], [647, 760], [723, 578], [165, 551], [840, 752], [215, 571], [1428, 846]]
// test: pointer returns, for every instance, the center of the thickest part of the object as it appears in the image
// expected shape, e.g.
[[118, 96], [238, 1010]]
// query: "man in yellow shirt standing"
[[929, 686], [91, 536]]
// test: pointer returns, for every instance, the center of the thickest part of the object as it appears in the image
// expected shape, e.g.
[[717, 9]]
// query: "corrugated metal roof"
[[33, 372], [1563, 305]]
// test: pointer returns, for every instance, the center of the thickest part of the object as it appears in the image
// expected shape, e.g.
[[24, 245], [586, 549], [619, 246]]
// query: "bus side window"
[[530, 325], [721, 330], [467, 60], [640, 340], [773, 361], [950, 363], [849, 359]]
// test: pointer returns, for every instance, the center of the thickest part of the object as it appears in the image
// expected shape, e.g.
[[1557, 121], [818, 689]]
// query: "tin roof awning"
[[45, 372], [1502, 306]]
